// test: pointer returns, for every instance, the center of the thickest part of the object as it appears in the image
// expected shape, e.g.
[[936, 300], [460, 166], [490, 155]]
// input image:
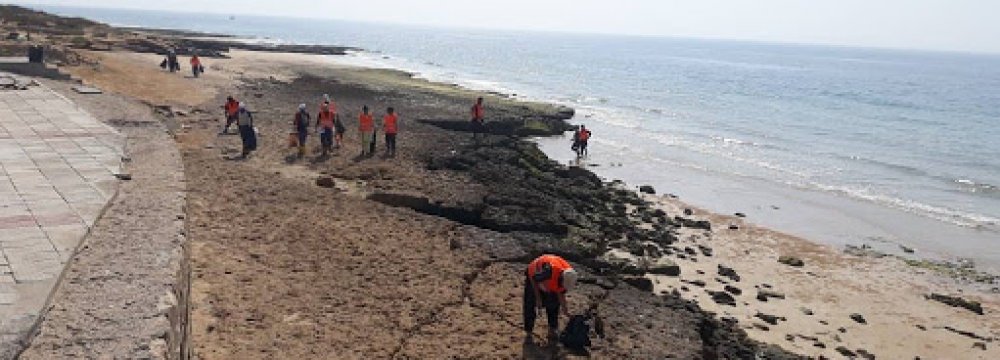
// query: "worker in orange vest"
[[231, 109], [366, 126], [546, 282], [196, 68], [325, 124], [478, 119], [390, 126]]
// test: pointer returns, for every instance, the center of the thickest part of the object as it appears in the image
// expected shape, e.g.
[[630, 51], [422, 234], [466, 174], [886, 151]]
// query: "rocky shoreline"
[[281, 247]]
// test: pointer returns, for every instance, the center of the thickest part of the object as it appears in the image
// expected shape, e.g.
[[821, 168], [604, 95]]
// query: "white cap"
[[569, 278], [243, 105], [302, 106], [326, 97]]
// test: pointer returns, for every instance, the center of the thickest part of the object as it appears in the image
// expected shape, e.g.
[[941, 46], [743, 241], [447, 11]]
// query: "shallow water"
[[853, 145]]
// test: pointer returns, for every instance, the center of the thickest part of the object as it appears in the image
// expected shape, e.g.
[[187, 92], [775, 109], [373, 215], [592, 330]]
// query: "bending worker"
[[232, 108], [547, 280]]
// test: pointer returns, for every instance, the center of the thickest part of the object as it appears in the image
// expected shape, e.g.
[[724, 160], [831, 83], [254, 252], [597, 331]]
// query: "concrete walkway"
[[57, 172]]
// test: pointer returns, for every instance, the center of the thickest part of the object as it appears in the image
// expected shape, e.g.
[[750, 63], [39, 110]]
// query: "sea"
[[839, 145]]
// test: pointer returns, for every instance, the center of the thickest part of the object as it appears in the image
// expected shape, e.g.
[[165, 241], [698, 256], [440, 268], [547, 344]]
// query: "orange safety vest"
[[366, 123], [325, 119], [478, 113], [558, 264], [332, 107], [389, 124], [232, 107], [584, 135]]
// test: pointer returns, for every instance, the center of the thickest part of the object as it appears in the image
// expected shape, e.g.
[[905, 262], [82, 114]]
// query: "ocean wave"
[[977, 187], [910, 170], [937, 212]]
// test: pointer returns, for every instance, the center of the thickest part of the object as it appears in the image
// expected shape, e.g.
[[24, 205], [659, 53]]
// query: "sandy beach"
[[422, 255]]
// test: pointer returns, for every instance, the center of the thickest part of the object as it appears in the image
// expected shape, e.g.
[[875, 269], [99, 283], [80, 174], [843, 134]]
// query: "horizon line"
[[537, 31]]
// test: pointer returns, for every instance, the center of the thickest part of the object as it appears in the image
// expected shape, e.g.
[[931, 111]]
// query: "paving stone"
[[56, 174]]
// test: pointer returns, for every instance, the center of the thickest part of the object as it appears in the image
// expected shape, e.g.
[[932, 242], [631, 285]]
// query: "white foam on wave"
[[941, 213]]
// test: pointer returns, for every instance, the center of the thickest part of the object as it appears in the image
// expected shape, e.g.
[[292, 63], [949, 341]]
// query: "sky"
[[953, 25]]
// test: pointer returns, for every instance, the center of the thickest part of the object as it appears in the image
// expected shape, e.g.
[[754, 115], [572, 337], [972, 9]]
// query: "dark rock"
[[842, 330], [326, 182], [688, 212], [722, 298], [698, 283], [123, 176], [921, 327], [906, 249], [956, 301], [864, 354], [688, 250], [599, 281], [647, 189], [729, 273], [846, 352], [664, 266], [806, 311], [705, 250], [734, 227], [858, 318], [762, 327], [733, 290], [622, 266], [695, 224], [640, 283], [791, 261], [764, 295], [770, 319], [739, 214], [979, 345], [967, 334]]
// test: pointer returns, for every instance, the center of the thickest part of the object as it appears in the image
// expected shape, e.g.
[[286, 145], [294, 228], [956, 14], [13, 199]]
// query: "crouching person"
[[546, 282]]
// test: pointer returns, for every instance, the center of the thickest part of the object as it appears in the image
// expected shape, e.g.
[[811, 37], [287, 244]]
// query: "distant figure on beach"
[[325, 124], [366, 126], [196, 68], [247, 134], [546, 282], [301, 129], [478, 119], [580, 139], [390, 126], [231, 109], [172, 61]]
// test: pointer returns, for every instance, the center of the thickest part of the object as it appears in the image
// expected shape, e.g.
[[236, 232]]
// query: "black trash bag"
[[576, 335]]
